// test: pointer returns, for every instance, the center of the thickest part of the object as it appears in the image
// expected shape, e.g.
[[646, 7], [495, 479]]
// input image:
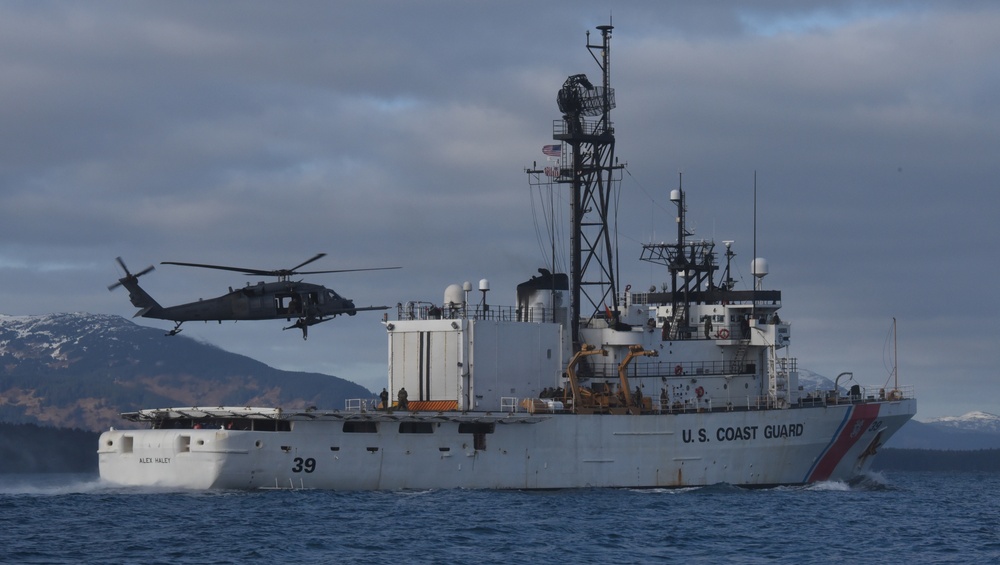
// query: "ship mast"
[[895, 358], [692, 266], [587, 130]]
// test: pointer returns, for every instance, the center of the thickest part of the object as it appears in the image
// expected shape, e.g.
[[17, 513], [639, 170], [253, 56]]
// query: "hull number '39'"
[[303, 465]]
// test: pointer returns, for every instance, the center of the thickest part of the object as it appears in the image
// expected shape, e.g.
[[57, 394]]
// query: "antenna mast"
[[589, 169], [895, 357]]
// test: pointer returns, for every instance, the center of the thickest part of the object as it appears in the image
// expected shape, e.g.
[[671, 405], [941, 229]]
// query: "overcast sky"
[[396, 133]]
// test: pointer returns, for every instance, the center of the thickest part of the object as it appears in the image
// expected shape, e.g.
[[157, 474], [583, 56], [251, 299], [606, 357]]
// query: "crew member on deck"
[[384, 397], [402, 399]]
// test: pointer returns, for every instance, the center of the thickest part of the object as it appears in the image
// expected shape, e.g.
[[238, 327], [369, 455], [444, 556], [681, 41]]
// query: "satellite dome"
[[453, 295], [759, 267]]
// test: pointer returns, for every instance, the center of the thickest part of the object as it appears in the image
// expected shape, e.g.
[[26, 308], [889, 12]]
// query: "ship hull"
[[514, 451]]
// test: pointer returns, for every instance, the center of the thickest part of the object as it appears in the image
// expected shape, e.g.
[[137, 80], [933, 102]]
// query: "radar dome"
[[759, 267], [453, 295]]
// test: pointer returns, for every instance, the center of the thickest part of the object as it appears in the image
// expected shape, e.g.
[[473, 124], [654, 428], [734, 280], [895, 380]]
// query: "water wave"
[[913, 518]]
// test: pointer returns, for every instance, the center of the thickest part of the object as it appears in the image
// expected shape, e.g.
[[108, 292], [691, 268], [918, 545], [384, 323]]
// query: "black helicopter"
[[308, 303]]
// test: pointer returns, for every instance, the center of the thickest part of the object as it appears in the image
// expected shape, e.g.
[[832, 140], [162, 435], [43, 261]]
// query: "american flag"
[[552, 150]]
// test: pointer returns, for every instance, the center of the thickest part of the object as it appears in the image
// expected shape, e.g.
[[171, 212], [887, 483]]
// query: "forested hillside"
[[987, 460]]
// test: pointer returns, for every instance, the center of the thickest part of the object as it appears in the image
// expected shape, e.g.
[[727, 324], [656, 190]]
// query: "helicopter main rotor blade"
[[345, 270], [280, 273], [245, 271], [300, 265], [222, 268]]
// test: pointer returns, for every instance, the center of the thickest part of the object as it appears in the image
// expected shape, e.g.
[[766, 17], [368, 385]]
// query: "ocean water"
[[888, 518]]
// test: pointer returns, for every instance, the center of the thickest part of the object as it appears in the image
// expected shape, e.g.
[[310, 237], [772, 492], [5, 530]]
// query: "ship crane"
[[633, 352]]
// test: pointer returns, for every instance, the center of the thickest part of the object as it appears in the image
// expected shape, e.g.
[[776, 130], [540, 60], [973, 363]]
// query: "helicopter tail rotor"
[[129, 277]]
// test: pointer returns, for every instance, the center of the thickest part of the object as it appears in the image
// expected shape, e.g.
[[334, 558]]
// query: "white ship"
[[576, 385]]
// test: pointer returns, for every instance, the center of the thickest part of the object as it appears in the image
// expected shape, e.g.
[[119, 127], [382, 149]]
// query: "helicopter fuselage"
[[261, 301]]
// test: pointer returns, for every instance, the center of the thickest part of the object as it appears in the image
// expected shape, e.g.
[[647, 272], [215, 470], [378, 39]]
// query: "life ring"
[[700, 392], [678, 370], [723, 333]]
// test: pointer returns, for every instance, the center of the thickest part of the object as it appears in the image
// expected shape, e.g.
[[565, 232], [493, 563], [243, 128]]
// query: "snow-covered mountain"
[[975, 430], [973, 421], [810, 381]]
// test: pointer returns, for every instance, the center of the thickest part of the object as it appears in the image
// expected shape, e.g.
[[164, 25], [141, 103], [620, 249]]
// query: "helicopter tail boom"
[[147, 305]]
